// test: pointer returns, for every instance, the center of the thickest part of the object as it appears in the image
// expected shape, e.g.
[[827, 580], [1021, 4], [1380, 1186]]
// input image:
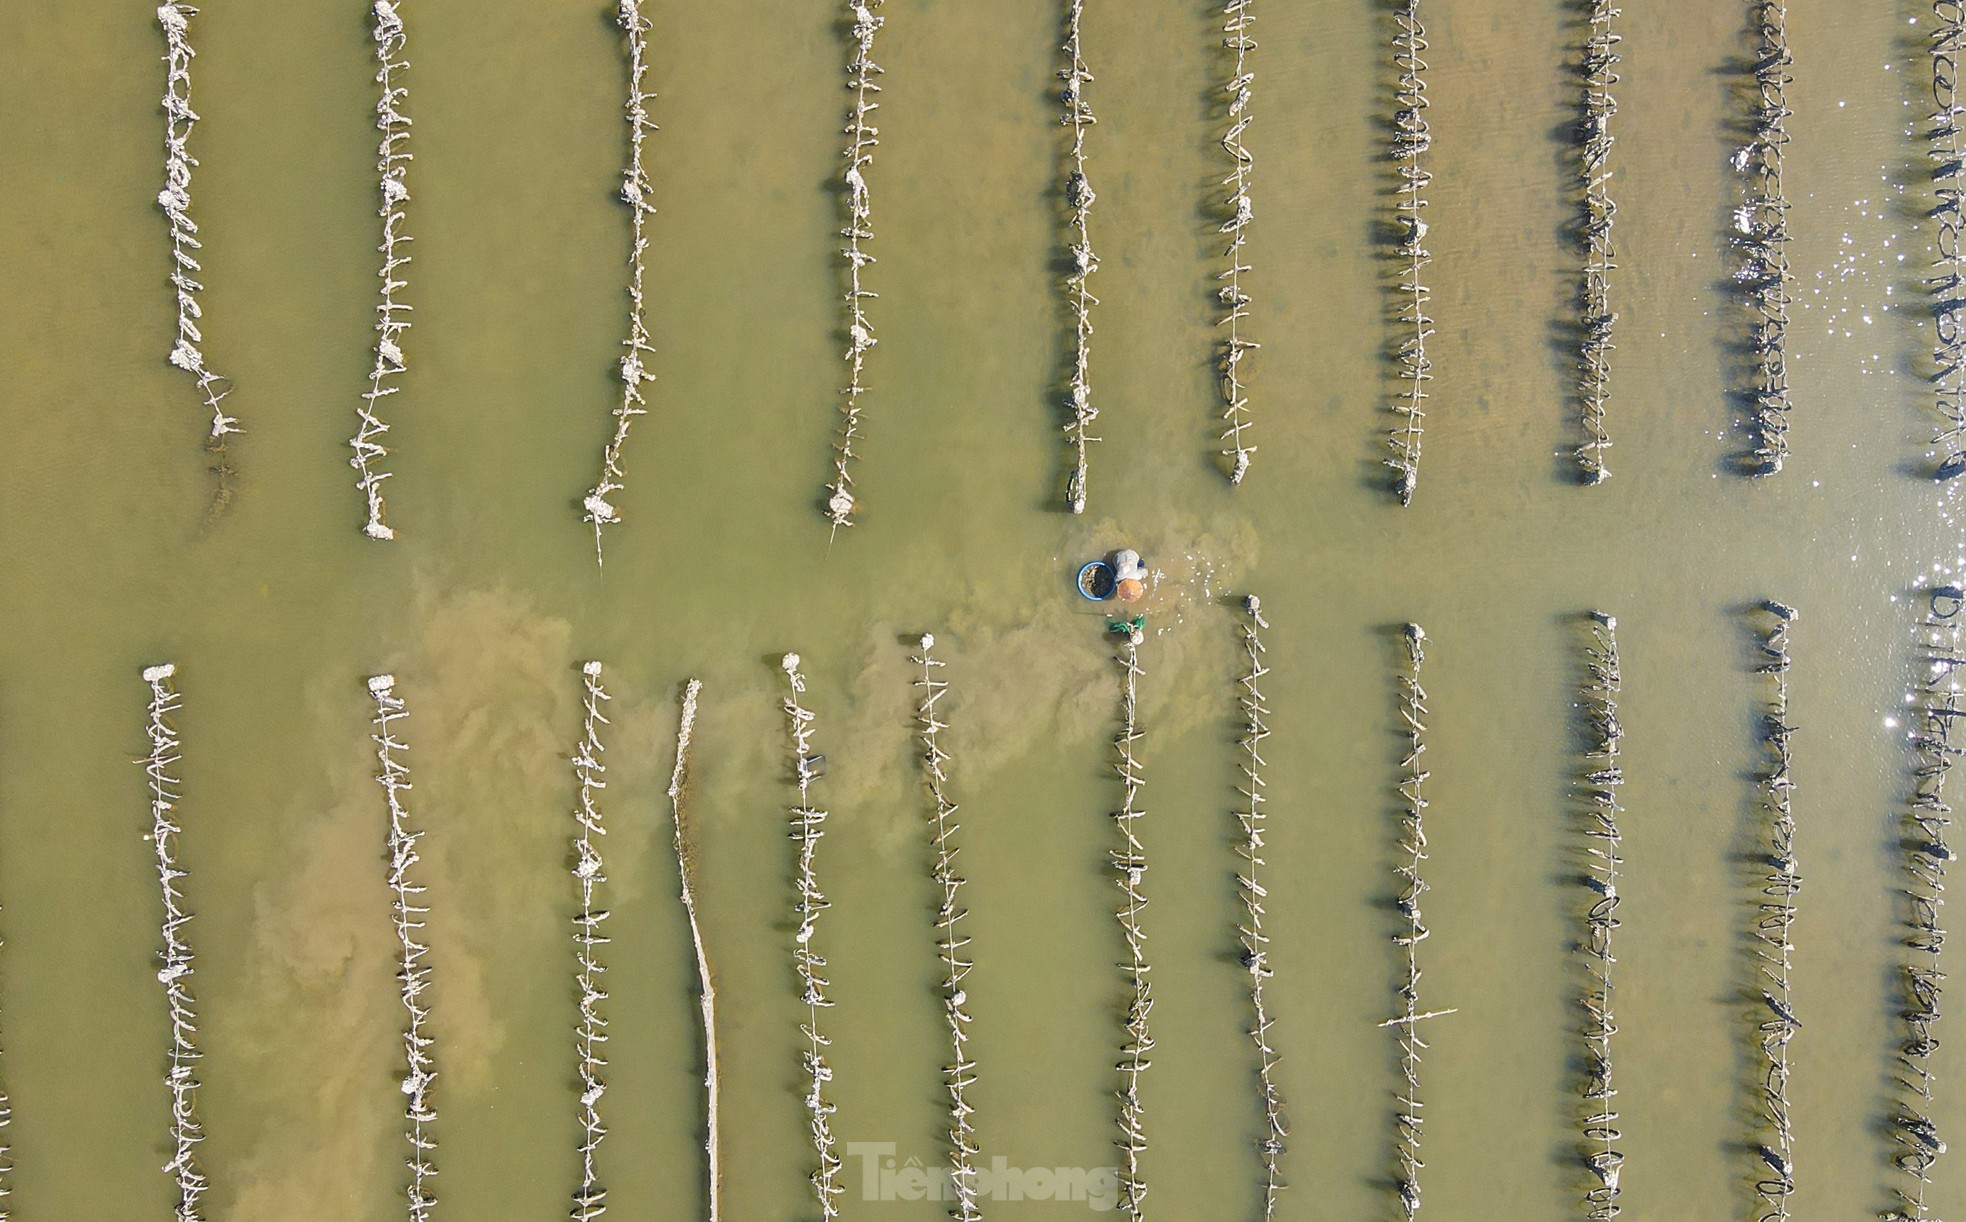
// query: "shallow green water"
[[277, 610]]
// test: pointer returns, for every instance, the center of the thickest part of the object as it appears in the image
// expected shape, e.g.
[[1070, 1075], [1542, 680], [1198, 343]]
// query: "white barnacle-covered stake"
[[861, 139], [1762, 273], [1237, 18], [1412, 137], [1079, 198], [808, 964], [1251, 820], [175, 200], [1594, 330], [412, 973], [175, 971], [1603, 775], [960, 1073], [1935, 711], [1775, 1022], [1409, 1111], [6, 1155], [590, 777], [1947, 151], [1129, 863], [392, 320], [639, 194]]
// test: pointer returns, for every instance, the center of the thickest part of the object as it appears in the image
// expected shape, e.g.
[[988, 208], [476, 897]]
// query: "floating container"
[[1131, 589], [1097, 580]]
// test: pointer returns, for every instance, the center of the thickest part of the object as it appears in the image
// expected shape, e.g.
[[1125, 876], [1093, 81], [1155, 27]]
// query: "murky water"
[[277, 610]]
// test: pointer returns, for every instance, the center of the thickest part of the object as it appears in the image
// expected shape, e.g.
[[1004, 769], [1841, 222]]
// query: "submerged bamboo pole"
[[1251, 819], [960, 1073], [175, 200], [1413, 327], [420, 1070], [1935, 707], [1237, 19], [1130, 868], [590, 1201], [862, 137], [1774, 922], [1408, 1120], [1761, 236], [639, 194], [1947, 283], [1603, 775], [175, 975], [391, 315], [1599, 72], [807, 819], [707, 1000], [1079, 198]]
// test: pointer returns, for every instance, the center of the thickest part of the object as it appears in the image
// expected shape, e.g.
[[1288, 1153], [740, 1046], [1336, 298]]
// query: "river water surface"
[[277, 609]]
